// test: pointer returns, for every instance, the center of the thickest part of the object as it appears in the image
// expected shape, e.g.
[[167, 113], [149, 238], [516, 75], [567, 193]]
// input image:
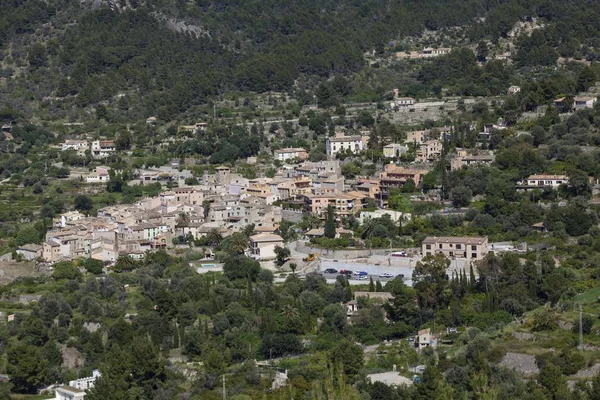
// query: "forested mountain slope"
[[96, 49]]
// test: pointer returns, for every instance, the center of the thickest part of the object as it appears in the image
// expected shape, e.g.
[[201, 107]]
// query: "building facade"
[[469, 248]]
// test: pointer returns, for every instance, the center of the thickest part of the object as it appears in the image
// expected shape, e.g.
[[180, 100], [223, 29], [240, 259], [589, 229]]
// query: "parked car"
[[386, 275], [363, 277], [399, 254], [361, 273], [345, 272], [330, 271]]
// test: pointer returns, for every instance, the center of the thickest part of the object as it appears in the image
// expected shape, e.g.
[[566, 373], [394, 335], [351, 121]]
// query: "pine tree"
[[371, 285], [472, 281], [378, 286]]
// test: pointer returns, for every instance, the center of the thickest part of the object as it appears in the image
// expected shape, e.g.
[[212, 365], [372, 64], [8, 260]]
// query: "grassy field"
[[591, 296]]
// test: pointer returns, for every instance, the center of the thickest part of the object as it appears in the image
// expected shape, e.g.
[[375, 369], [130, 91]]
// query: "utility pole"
[[224, 392], [580, 327]]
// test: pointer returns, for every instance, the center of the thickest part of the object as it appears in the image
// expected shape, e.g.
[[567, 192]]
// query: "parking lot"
[[372, 270], [376, 265]]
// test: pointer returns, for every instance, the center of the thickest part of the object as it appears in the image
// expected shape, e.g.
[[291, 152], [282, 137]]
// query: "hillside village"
[[375, 201]]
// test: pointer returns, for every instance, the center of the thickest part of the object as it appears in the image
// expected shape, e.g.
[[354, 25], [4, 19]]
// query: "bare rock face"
[[170, 22], [180, 26], [114, 5]]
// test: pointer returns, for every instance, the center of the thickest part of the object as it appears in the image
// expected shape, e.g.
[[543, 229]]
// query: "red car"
[[345, 272]]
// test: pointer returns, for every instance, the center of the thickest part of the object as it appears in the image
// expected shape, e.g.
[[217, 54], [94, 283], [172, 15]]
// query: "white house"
[[553, 181], [403, 102], [103, 148], [100, 175], [80, 146], [291, 153], [341, 143], [262, 246], [583, 102], [30, 251], [76, 389]]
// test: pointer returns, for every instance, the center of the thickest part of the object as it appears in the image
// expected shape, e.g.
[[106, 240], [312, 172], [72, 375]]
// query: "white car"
[[386, 275], [363, 277]]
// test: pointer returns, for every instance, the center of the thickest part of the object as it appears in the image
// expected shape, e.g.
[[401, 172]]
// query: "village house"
[[341, 143], [330, 184], [394, 177], [30, 251], [463, 159], [76, 388], [290, 154], [262, 246], [103, 148], [469, 248], [514, 89], [583, 102], [394, 150], [80, 146], [395, 216], [543, 181], [402, 102], [370, 188], [315, 169], [429, 52], [422, 136], [100, 175], [292, 188], [6, 131], [429, 151], [424, 339]]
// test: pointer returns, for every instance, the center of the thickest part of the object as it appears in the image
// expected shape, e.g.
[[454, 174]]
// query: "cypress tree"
[[330, 223]]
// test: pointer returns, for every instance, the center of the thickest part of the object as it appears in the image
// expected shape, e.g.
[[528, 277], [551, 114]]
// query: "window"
[[473, 247], [458, 246], [428, 246], [440, 245], [473, 255]]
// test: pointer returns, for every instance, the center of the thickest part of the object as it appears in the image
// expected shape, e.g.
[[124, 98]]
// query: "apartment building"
[[343, 204], [394, 177], [469, 248]]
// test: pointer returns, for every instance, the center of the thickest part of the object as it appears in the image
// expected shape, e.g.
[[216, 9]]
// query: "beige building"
[[429, 151], [469, 248], [262, 246], [462, 159], [394, 150], [343, 204], [394, 177]]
